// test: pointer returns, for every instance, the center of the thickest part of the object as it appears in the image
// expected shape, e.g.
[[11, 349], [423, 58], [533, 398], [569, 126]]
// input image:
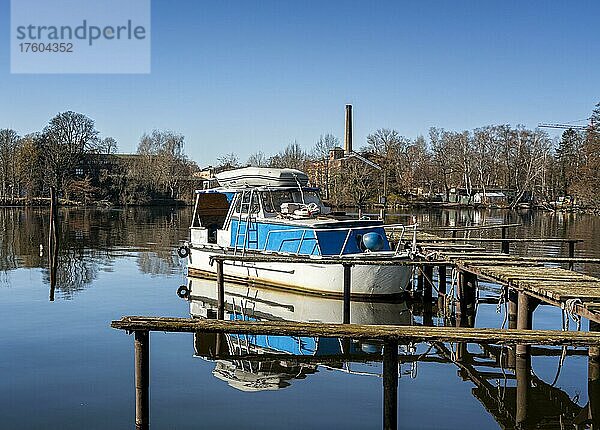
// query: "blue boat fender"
[[373, 241]]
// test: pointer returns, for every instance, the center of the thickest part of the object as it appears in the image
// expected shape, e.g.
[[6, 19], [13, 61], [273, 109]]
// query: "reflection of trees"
[[91, 240]]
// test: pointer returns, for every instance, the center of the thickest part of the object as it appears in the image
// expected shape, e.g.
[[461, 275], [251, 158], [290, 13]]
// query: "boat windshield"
[[272, 200]]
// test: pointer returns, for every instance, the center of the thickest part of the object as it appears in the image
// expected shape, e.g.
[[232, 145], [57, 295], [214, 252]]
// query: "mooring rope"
[[570, 307]]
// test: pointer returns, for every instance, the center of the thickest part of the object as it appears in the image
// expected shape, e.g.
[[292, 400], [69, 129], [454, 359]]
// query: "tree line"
[[71, 155], [525, 163]]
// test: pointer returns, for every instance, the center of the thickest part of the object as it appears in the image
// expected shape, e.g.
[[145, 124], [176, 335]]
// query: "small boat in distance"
[[267, 211]]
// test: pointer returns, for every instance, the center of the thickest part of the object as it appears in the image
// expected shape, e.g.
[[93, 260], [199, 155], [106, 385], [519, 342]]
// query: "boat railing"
[[303, 239], [403, 228]]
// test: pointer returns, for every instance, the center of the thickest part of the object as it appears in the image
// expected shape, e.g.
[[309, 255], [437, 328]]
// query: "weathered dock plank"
[[354, 331]]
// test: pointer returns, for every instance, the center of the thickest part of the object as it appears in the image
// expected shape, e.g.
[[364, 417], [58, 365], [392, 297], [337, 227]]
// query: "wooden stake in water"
[[142, 379], [53, 241]]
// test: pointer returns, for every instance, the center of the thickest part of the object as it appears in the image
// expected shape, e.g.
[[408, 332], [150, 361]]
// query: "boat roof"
[[225, 190]]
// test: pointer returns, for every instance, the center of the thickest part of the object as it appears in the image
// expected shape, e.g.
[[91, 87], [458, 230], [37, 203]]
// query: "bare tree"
[[258, 159], [9, 141], [163, 160], [227, 162], [108, 145], [320, 156], [359, 182], [66, 138], [292, 157]]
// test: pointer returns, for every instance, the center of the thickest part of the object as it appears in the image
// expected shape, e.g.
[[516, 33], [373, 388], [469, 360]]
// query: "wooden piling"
[[524, 319], [571, 253], [390, 385], [220, 291], [142, 379], [420, 280], [53, 241], [471, 293], [467, 295], [442, 279], [505, 243], [347, 291], [428, 296], [460, 299], [594, 380], [428, 284], [512, 324], [523, 376]]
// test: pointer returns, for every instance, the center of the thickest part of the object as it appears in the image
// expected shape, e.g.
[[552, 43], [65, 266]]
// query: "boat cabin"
[[271, 217]]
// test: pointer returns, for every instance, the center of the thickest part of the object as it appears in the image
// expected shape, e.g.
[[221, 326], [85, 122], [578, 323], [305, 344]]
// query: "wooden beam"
[[356, 331]]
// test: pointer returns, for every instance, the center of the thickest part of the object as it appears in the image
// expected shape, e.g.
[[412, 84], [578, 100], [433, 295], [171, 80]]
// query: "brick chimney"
[[348, 134]]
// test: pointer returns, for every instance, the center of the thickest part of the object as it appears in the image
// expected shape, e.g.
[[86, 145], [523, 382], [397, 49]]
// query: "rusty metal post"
[[220, 291], [505, 243], [390, 385], [142, 379], [347, 292]]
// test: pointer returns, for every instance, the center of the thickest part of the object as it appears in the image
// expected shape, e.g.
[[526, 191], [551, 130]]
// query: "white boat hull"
[[322, 279], [274, 305]]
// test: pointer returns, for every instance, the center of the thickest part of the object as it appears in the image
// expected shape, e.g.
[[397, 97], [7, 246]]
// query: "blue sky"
[[242, 76]]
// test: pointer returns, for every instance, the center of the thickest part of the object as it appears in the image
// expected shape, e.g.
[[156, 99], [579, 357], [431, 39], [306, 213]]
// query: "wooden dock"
[[528, 277], [526, 283]]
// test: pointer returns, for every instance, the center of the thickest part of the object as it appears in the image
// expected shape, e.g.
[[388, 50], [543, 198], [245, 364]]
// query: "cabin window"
[[272, 200], [241, 204]]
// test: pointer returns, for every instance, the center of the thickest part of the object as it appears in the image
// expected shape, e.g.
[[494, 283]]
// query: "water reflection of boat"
[[262, 362], [260, 211]]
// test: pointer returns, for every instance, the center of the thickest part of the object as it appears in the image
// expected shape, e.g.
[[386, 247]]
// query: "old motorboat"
[[267, 211]]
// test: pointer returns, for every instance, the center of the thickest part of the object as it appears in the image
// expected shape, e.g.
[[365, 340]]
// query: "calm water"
[[62, 366]]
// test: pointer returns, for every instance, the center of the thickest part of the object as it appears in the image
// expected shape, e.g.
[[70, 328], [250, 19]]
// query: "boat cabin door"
[[210, 213]]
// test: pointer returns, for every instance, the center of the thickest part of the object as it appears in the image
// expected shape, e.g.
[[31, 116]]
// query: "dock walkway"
[[575, 292]]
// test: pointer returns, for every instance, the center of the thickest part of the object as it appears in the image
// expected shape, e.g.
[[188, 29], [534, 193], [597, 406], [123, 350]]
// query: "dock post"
[[571, 253], [523, 376], [505, 243], [460, 302], [512, 324], [471, 299], [428, 284], [442, 288], [594, 380], [420, 280], [220, 291], [524, 319], [427, 295], [347, 291], [142, 379], [390, 385], [467, 294]]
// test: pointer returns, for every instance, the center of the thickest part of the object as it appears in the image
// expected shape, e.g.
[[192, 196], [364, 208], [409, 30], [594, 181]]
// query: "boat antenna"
[[299, 188]]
